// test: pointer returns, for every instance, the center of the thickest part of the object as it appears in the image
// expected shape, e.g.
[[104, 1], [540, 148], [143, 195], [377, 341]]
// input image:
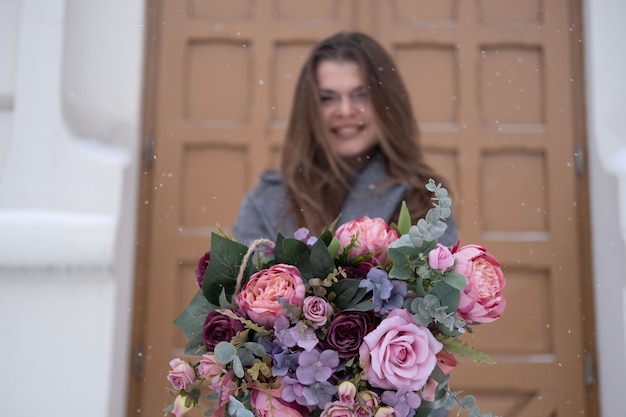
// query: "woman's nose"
[[346, 106]]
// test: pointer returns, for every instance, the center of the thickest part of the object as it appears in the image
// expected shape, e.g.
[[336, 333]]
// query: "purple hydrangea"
[[304, 235], [304, 336], [313, 395], [387, 295], [403, 401], [316, 366]]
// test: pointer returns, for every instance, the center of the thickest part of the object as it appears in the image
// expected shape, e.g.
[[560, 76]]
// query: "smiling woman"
[[351, 147], [347, 112]]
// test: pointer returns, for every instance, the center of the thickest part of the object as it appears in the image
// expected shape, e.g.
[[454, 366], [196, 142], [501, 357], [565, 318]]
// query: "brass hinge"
[[148, 153], [590, 379], [579, 160], [138, 361]]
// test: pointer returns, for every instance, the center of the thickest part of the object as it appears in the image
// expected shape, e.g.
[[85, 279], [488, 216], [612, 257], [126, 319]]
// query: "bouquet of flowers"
[[362, 321]]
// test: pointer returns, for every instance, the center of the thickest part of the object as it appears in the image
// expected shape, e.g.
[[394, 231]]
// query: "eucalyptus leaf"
[[404, 241], [225, 353], [246, 358], [449, 402], [468, 401], [256, 349], [238, 367], [415, 235], [475, 412], [237, 409]]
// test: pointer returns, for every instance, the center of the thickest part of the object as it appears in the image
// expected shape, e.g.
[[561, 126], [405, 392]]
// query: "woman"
[[351, 148]]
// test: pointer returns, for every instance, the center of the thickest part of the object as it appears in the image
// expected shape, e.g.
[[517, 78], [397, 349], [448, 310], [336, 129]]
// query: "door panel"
[[490, 84]]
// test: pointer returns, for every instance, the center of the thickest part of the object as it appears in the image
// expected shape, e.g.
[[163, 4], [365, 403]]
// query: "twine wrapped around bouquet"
[[244, 263]]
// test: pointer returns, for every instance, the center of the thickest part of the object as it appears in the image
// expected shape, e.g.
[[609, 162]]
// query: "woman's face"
[[346, 108]]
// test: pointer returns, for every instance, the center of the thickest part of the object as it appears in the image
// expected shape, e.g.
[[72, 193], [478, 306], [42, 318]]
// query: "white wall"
[[604, 38], [70, 94]]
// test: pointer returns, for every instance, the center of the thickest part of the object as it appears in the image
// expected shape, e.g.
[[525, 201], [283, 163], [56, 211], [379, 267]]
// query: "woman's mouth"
[[347, 132]]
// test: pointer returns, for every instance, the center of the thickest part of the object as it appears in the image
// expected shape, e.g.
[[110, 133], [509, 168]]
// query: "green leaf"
[[404, 219], [322, 262], [294, 252], [192, 318], [255, 348], [238, 367], [246, 358], [326, 237], [223, 268], [333, 247], [237, 409], [405, 259], [468, 401], [366, 305], [457, 347], [448, 296], [195, 344], [423, 410], [225, 353], [455, 280], [347, 293]]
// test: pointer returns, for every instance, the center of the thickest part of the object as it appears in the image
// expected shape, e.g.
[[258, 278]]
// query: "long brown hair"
[[317, 181]]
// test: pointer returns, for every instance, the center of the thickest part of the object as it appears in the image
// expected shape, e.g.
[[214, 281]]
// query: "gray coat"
[[264, 212]]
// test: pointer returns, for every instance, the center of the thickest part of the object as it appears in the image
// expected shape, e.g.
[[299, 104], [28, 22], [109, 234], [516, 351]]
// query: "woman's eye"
[[358, 96], [328, 99]]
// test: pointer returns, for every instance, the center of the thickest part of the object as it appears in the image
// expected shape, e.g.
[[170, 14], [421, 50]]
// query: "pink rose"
[[385, 412], [317, 310], [181, 374], [210, 369], [267, 405], [337, 409], [398, 353], [182, 405], [371, 236], [440, 258], [258, 298], [482, 300], [366, 403], [346, 392]]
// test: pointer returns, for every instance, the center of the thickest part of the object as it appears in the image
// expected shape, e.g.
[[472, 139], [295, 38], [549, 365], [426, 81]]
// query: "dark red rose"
[[357, 271], [219, 328], [201, 269], [346, 332]]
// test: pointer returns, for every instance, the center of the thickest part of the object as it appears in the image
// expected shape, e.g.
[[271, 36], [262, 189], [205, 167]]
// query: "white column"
[[604, 34], [68, 190]]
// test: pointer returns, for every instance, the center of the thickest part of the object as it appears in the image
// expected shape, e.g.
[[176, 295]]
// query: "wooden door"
[[490, 83], [494, 90]]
